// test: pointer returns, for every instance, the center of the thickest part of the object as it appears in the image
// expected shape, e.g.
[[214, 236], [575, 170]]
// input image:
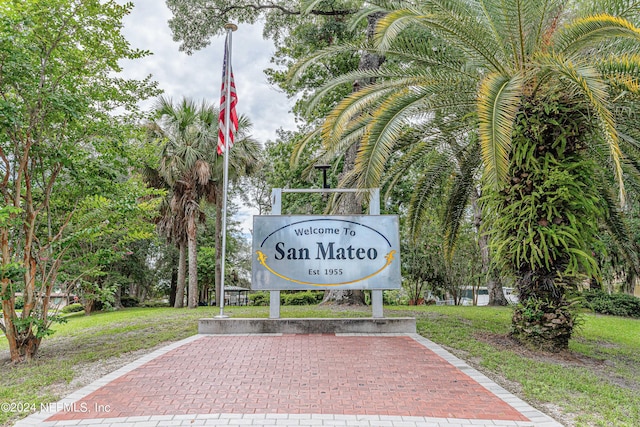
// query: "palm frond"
[[588, 32], [459, 195], [388, 124], [619, 229], [390, 26], [351, 108], [439, 167], [459, 22], [353, 134], [348, 180], [623, 71], [301, 146], [424, 57], [363, 13], [393, 79], [417, 152], [490, 10], [302, 66], [628, 9], [498, 103]]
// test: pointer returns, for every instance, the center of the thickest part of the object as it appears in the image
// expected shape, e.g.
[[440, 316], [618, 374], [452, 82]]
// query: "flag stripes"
[[225, 136]]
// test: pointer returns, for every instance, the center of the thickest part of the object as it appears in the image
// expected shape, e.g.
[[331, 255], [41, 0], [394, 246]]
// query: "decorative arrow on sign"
[[262, 258]]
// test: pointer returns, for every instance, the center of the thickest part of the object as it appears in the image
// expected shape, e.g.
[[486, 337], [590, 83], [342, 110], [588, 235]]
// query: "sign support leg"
[[376, 295], [376, 304], [274, 304], [274, 296]]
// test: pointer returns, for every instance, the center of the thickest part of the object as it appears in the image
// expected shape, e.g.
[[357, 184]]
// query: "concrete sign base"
[[394, 325]]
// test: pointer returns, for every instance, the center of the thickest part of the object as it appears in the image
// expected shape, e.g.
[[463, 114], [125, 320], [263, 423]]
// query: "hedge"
[[613, 304]]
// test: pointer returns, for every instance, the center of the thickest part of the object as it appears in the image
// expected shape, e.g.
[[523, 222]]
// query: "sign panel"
[[296, 252]]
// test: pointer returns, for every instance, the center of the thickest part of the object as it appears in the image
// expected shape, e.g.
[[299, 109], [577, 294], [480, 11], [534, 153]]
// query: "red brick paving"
[[292, 374]]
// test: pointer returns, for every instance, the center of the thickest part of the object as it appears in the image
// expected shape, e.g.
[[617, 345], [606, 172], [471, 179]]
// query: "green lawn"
[[596, 384]]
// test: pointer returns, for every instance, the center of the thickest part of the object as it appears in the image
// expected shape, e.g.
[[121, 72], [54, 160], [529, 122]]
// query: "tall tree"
[[190, 166], [194, 22], [297, 28], [58, 85], [169, 224], [548, 87]]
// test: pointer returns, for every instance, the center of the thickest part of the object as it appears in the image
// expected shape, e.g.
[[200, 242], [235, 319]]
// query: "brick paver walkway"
[[273, 380]]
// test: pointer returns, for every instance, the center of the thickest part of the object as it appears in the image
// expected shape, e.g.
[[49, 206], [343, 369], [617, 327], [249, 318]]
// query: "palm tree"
[[169, 224], [548, 90], [192, 169]]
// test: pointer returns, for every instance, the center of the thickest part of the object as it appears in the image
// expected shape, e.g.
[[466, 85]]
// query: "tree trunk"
[[174, 284], [350, 203], [182, 274], [117, 304], [30, 346], [8, 300], [543, 319], [193, 274], [548, 167], [9, 314], [344, 297], [496, 292], [88, 307], [193, 263], [204, 296]]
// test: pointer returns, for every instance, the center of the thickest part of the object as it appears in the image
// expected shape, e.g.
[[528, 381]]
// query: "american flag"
[[223, 133]]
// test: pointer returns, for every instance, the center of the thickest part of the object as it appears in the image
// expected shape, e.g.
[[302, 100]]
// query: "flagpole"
[[227, 114]]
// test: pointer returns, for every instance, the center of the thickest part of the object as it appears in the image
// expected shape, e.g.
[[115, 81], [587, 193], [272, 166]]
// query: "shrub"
[[129, 301], [154, 304], [302, 298], [615, 304], [72, 308], [260, 298], [394, 297], [19, 303]]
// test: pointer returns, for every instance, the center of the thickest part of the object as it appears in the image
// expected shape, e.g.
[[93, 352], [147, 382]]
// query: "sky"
[[199, 76]]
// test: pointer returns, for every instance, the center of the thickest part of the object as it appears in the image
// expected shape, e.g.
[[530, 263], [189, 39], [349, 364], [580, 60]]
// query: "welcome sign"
[[295, 252]]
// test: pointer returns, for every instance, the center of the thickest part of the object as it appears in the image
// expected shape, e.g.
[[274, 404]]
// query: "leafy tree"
[[103, 236], [618, 262], [238, 257], [428, 266], [59, 91], [549, 89], [194, 23]]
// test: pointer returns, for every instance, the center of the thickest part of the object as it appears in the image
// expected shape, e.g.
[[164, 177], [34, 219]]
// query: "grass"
[[595, 384]]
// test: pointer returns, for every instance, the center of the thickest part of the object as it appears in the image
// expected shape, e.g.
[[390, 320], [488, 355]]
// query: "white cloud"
[[198, 76]]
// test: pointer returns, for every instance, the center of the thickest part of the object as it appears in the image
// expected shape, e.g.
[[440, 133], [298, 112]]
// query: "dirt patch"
[[86, 373], [605, 366], [564, 358]]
